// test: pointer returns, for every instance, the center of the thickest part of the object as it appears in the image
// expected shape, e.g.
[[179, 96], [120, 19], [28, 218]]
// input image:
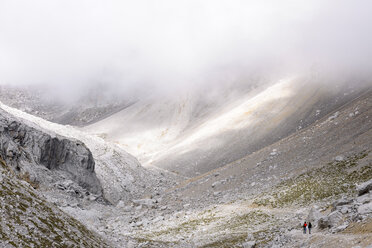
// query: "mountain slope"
[[120, 174], [264, 196], [196, 133], [27, 220]]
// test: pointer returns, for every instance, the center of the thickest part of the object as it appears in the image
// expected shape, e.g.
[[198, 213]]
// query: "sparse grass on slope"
[[215, 230], [28, 221], [238, 227], [331, 180]]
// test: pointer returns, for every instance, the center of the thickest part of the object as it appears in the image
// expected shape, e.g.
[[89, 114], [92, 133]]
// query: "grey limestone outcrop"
[[45, 157], [364, 187]]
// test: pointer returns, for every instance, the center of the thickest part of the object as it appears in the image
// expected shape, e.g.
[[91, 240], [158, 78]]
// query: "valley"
[[285, 160]]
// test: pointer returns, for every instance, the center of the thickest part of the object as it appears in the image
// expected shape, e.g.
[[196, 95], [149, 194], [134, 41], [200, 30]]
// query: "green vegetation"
[[185, 227], [232, 241], [238, 227], [329, 181], [242, 222], [29, 221]]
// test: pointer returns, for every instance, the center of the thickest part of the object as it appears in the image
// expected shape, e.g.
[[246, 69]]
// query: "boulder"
[[365, 209], [341, 228], [314, 215], [332, 220], [339, 158], [149, 203], [215, 184], [346, 209], [323, 223], [363, 199], [249, 244], [341, 202], [364, 187]]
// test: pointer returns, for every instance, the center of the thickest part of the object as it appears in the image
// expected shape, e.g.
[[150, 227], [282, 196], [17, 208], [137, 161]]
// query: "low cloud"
[[165, 45]]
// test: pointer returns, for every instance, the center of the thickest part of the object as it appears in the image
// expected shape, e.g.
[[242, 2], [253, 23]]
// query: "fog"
[[167, 45]]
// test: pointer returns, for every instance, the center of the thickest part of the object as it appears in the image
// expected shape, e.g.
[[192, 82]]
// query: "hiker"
[[309, 227], [304, 226]]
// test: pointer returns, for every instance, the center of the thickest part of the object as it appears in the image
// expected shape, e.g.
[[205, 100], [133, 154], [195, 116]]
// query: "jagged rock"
[[186, 205], [217, 193], [24, 148], [340, 228], [339, 158], [346, 209], [334, 116], [274, 152], [341, 202], [363, 199], [365, 209], [323, 223], [249, 244], [364, 187], [314, 215], [216, 184], [149, 203], [332, 220]]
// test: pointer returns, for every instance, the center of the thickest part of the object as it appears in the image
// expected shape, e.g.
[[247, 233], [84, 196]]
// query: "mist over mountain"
[[185, 123], [130, 47]]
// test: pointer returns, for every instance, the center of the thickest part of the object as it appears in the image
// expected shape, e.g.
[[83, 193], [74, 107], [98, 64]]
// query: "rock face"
[[365, 209], [364, 187], [314, 215], [27, 220], [348, 210], [27, 150], [332, 220]]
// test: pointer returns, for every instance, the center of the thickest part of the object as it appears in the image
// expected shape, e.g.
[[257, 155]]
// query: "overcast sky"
[[70, 44]]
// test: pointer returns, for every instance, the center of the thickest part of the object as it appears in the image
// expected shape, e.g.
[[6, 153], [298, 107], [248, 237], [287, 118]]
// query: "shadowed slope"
[[190, 135]]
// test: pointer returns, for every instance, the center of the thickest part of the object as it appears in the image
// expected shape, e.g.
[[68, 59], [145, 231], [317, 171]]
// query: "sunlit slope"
[[195, 133]]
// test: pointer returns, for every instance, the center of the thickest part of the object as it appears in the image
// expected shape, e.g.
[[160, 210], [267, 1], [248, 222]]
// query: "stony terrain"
[[121, 179], [320, 172], [28, 220], [265, 196], [33, 153]]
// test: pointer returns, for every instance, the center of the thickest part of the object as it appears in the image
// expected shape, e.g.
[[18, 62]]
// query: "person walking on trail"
[[309, 227], [304, 226]]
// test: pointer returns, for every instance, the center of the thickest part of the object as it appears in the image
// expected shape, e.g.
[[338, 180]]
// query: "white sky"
[[164, 43]]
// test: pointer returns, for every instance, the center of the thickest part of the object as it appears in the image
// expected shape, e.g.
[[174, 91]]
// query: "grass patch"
[[185, 227], [233, 241], [243, 222], [332, 180]]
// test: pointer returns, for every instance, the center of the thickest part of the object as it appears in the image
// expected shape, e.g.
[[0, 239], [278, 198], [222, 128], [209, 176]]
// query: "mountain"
[[193, 133], [46, 103], [240, 166], [264, 197], [82, 175]]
